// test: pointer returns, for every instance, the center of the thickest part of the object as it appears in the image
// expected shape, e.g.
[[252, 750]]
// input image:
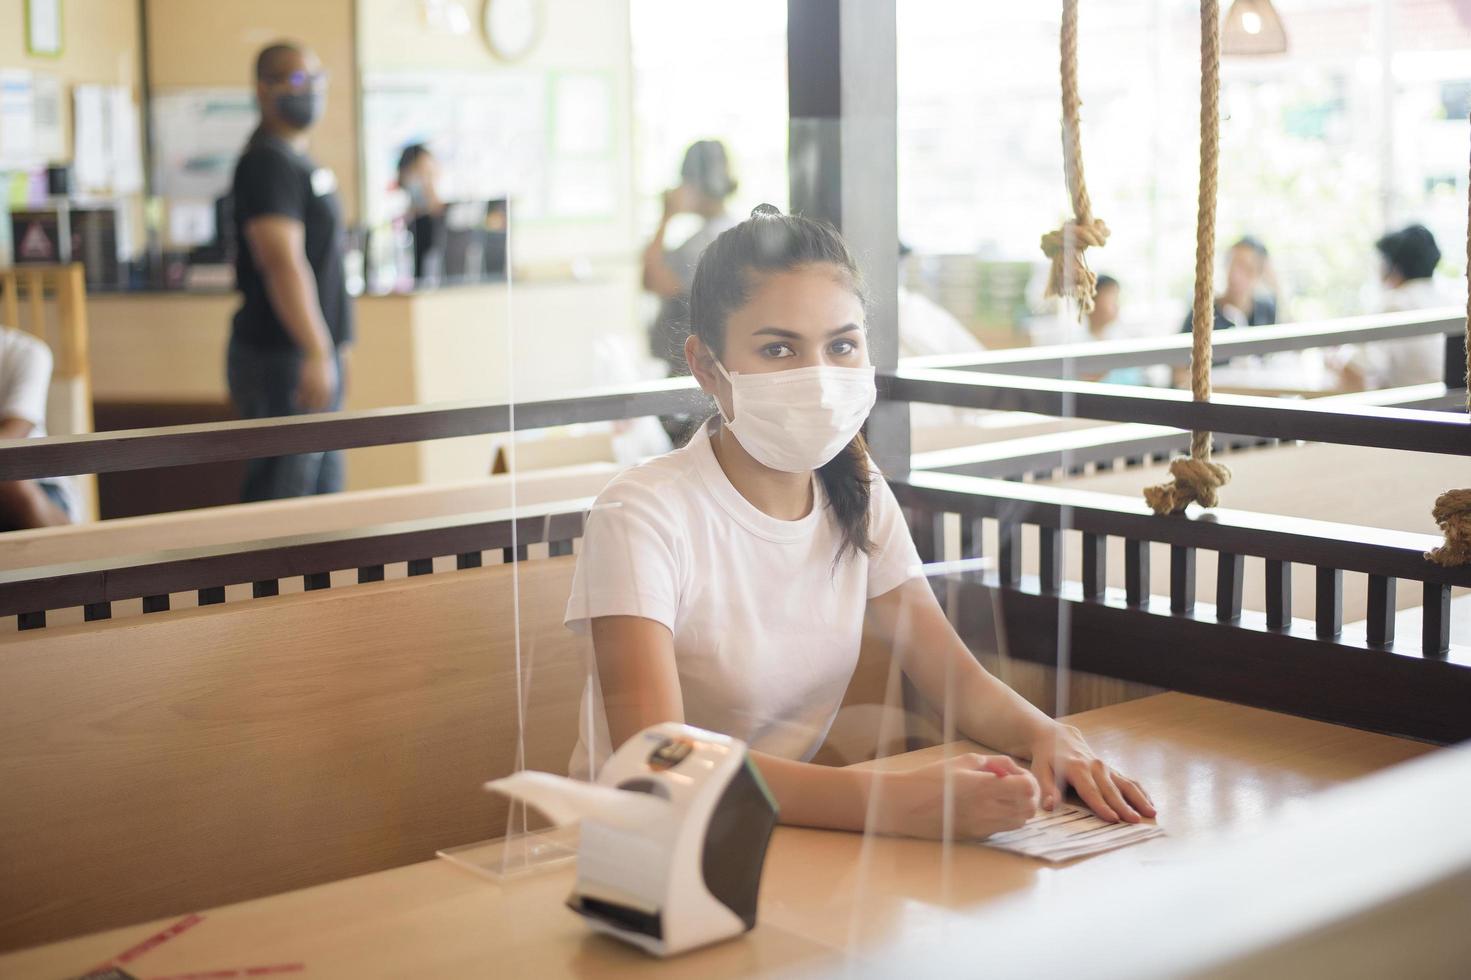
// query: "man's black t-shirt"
[[273, 179]]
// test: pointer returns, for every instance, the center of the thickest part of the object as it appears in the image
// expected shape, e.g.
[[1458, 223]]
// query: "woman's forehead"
[[817, 297]]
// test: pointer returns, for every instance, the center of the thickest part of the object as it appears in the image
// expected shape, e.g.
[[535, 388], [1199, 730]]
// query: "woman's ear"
[[702, 365]]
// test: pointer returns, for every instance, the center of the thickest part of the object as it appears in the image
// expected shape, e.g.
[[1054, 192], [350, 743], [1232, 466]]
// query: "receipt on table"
[[1070, 832]]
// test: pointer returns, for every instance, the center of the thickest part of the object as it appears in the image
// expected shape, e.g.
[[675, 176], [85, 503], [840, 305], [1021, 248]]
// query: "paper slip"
[[1070, 832]]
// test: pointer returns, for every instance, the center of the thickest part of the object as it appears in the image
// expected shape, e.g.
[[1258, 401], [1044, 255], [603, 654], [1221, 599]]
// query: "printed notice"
[[1070, 832]]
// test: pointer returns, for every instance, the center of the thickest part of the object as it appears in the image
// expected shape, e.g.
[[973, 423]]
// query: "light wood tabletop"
[[826, 897]]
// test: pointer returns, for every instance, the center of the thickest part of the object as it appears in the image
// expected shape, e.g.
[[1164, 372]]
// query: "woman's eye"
[[843, 348], [777, 350]]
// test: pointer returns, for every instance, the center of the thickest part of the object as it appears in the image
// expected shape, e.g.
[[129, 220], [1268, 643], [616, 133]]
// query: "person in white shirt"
[[25, 378], [1408, 258], [728, 584]]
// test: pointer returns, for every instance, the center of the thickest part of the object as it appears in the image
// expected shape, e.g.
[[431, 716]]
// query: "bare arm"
[[910, 622], [278, 246], [640, 685], [934, 657], [659, 279], [15, 428]]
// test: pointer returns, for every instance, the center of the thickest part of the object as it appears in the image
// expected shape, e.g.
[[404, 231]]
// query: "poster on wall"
[[17, 119], [43, 27], [197, 137], [48, 132], [106, 142]]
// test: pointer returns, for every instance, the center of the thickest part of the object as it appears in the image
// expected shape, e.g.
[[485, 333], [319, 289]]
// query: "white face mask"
[[796, 421]]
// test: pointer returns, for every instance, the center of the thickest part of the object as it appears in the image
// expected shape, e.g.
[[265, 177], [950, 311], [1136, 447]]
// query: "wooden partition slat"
[[1136, 572], [1379, 629], [972, 537], [1328, 602], [1095, 565], [1182, 579], [1009, 551], [1230, 574], [1435, 627], [1279, 593], [1050, 559]]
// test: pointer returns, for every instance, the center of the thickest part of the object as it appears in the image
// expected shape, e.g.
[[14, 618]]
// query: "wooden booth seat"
[[161, 764], [158, 764]]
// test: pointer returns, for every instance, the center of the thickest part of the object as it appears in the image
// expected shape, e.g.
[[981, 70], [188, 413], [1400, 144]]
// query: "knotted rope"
[[1070, 275], [1197, 479], [1453, 508]]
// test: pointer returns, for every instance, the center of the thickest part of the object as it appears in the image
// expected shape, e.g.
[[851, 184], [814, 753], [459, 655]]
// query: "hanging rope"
[[1070, 276], [1453, 508], [1197, 479]]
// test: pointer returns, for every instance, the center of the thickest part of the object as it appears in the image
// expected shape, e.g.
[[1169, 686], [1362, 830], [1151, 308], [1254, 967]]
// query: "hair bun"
[[766, 211]]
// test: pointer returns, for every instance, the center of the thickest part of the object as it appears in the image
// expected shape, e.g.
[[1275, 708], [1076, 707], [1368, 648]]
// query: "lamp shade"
[[1252, 27]]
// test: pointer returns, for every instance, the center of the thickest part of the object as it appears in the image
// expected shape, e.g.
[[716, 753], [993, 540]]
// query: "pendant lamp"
[[1252, 27]]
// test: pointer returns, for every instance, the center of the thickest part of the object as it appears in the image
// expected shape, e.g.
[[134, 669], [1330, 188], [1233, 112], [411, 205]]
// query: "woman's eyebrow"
[[793, 335]]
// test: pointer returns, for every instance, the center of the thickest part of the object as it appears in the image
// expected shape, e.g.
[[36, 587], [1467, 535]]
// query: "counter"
[[167, 350]]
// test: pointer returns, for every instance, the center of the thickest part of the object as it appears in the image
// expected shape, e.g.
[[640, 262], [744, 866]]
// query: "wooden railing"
[[1096, 357], [1385, 682], [1411, 686]]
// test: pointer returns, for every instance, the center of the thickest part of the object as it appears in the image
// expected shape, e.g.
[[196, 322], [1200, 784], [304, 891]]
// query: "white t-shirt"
[[1415, 360], [766, 629], [25, 382]]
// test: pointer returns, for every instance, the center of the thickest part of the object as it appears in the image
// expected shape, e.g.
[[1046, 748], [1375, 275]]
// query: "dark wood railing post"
[[1435, 628], [1328, 602], [1136, 572], [1182, 579], [1095, 565], [1379, 630], [1279, 594], [1230, 571]]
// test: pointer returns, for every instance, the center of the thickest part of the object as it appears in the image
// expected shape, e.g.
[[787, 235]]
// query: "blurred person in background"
[[1250, 297], [418, 173], [1407, 261], [705, 184]]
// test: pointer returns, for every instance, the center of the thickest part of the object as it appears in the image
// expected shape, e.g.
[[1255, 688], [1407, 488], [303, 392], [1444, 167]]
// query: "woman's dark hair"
[[1411, 251], [729, 269], [1253, 243], [706, 165], [411, 155]]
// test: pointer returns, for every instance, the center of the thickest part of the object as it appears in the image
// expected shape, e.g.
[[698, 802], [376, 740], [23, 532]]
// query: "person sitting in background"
[[926, 327], [1103, 324], [25, 378], [1408, 258], [1250, 299], [417, 173], [705, 185], [1103, 321]]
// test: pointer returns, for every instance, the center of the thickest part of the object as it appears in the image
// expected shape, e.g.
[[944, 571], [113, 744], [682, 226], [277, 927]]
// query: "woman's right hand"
[[989, 794]]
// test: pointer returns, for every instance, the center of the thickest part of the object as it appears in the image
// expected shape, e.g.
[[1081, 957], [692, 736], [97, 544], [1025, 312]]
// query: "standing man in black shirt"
[[292, 332]]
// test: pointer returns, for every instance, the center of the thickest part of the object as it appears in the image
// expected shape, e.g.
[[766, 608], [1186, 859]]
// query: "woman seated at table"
[[726, 584]]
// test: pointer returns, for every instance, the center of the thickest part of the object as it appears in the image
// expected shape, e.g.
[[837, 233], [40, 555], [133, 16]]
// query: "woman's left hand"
[[1063, 759]]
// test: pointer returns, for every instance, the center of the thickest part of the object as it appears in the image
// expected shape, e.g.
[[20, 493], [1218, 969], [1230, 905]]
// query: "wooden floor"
[[829, 900]]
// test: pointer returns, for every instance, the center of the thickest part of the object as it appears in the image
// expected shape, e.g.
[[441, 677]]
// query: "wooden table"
[[826, 897]]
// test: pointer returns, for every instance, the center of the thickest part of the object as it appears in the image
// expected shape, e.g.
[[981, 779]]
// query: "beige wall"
[[203, 43], [99, 46]]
